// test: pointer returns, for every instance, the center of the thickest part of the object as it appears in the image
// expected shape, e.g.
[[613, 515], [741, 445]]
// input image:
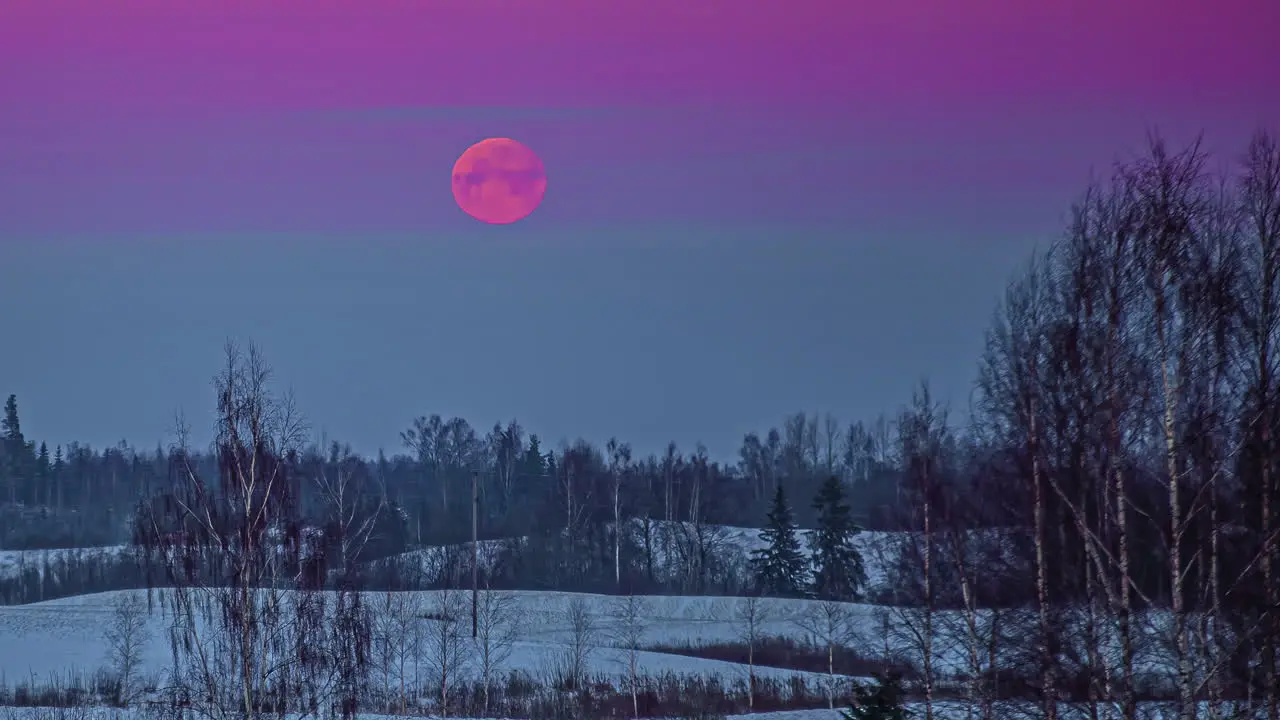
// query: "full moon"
[[499, 181]]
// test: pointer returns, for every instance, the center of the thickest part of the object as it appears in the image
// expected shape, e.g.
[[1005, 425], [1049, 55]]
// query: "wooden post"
[[475, 552]]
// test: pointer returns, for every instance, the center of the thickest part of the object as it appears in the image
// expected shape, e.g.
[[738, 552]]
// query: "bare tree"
[[831, 439], [353, 503], [506, 446], [884, 622], [629, 615], [1171, 207], [127, 636], [582, 639], [1259, 205], [925, 441], [250, 628], [497, 632], [697, 544], [446, 644], [749, 615], [427, 438], [399, 642], [671, 462], [1011, 407], [832, 626], [619, 467]]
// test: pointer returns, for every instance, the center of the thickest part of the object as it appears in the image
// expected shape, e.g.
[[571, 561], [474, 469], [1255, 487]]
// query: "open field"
[[61, 636]]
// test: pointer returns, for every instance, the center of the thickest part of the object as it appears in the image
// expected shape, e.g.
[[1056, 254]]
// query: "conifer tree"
[[44, 469], [883, 702], [18, 454], [780, 568], [839, 573], [10, 426]]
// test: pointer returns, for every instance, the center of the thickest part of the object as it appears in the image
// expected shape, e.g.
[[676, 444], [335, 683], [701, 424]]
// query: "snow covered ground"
[[55, 641], [15, 562], [65, 636], [670, 542], [51, 640]]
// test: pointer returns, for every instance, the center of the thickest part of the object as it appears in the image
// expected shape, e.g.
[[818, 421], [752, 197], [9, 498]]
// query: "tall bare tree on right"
[[1259, 205]]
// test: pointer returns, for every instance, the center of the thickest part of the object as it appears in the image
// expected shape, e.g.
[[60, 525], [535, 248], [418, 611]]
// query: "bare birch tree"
[[127, 636], [353, 504], [583, 634], [629, 614], [250, 631], [619, 467], [749, 615], [497, 629], [445, 645], [1259, 205], [924, 438], [399, 642], [833, 628]]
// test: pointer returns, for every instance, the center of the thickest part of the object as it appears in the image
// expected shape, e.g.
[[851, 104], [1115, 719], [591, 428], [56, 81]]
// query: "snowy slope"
[[65, 635], [15, 562]]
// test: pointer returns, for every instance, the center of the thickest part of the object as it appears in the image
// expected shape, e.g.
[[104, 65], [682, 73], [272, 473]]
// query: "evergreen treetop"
[[780, 566], [839, 573]]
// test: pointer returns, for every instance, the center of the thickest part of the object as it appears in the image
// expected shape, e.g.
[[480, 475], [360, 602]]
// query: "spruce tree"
[[780, 568], [18, 455], [11, 426], [839, 573], [883, 702], [44, 469]]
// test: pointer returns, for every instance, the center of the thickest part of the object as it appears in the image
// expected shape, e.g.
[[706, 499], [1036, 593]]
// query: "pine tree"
[[18, 453], [883, 702], [534, 463], [780, 567], [839, 573], [11, 427], [44, 470]]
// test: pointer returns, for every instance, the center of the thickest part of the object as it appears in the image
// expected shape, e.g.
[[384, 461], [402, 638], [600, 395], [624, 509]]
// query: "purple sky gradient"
[[923, 147], [995, 55]]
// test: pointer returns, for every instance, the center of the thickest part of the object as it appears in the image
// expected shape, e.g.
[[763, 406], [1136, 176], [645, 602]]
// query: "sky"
[[752, 209]]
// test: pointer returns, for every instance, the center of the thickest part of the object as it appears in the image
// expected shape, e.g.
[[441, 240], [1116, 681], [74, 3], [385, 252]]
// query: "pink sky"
[[234, 54], [246, 115]]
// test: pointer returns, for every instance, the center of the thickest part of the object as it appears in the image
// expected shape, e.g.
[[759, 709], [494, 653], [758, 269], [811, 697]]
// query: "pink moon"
[[499, 181]]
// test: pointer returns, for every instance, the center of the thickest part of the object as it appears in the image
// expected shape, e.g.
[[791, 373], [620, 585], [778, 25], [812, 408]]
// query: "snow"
[[670, 540], [68, 633], [15, 562], [51, 640]]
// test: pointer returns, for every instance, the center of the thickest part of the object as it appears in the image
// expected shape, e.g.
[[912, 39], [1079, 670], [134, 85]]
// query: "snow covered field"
[[58, 637], [53, 641], [670, 541], [15, 562]]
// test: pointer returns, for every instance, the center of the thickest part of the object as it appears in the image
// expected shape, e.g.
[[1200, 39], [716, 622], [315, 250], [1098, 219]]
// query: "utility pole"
[[475, 552]]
